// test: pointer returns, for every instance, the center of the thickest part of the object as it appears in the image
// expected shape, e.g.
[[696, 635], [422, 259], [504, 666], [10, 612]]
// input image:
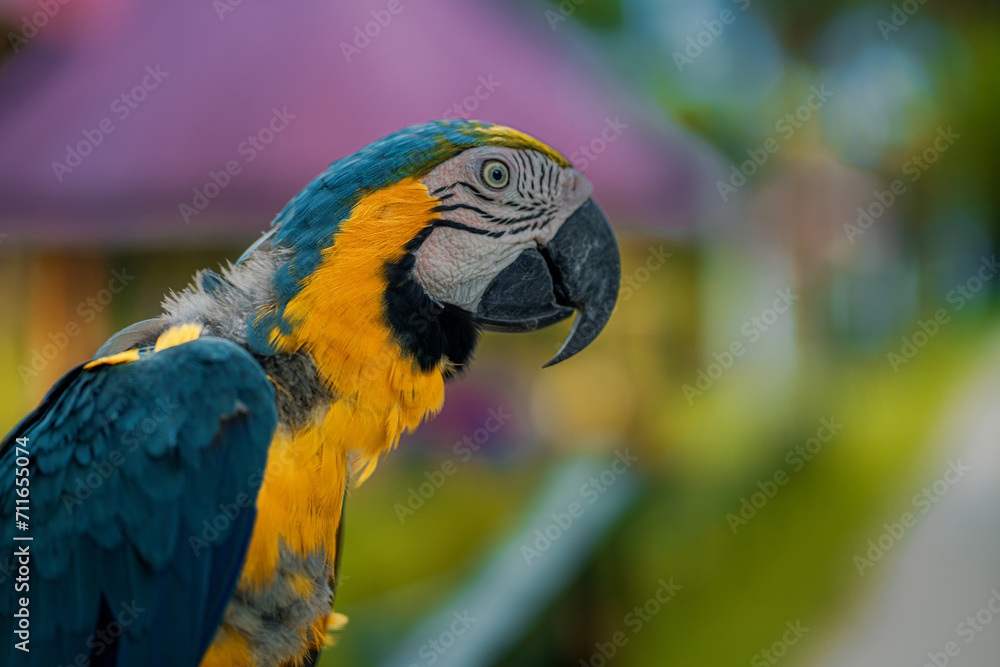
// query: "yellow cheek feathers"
[[337, 317], [379, 393]]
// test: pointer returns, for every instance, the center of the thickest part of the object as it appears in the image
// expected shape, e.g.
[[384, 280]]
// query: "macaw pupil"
[[496, 174]]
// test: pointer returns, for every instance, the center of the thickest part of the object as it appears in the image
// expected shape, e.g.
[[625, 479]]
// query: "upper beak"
[[579, 269]]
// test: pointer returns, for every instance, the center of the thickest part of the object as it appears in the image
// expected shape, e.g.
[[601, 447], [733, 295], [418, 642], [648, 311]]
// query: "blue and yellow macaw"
[[184, 488]]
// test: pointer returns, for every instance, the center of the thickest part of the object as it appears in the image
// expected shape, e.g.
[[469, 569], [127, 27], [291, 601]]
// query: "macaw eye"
[[496, 174]]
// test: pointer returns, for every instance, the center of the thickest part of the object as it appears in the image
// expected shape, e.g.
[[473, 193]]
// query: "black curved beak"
[[578, 270]]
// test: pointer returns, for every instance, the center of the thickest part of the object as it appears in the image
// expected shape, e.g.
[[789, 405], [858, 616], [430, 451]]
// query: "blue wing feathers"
[[127, 463]]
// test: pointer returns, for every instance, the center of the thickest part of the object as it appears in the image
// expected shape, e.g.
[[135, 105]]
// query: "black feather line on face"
[[428, 330], [443, 188], [444, 222], [553, 180], [475, 191], [488, 217], [520, 175]]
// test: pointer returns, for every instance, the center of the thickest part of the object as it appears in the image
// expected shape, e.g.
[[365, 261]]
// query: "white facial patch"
[[483, 229]]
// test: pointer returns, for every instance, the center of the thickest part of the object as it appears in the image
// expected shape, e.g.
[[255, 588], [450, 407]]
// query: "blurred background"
[[785, 447]]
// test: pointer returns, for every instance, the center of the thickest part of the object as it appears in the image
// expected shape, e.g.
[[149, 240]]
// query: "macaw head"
[[519, 243], [436, 232]]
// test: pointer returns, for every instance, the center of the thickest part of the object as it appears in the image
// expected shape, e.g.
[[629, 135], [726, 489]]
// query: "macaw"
[[177, 499]]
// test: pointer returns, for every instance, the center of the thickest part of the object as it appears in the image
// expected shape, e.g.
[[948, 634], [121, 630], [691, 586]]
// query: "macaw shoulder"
[[129, 457]]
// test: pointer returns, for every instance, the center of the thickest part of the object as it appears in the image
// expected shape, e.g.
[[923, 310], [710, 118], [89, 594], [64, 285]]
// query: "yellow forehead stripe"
[[498, 135]]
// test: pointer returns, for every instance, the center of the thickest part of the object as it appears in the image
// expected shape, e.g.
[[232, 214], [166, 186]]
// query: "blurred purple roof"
[[224, 77]]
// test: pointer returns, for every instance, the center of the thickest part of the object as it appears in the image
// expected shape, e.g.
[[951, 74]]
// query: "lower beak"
[[578, 270]]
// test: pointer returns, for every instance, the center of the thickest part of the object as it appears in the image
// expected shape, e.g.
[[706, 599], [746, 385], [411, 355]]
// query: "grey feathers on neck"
[[224, 303]]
